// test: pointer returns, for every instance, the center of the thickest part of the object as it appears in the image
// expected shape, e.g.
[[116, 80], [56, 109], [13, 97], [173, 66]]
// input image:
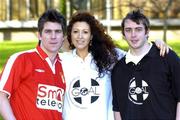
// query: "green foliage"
[[62, 7]]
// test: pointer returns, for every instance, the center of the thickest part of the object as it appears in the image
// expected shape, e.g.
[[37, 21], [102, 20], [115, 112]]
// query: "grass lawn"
[[8, 48], [175, 46]]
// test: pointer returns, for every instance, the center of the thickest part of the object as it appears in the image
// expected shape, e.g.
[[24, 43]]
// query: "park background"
[[18, 20]]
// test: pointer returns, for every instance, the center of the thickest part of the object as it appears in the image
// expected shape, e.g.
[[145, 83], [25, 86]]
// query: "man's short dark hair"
[[51, 15]]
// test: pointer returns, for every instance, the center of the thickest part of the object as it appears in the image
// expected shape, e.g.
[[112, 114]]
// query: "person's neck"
[[139, 51], [52, 57], [82, 53]]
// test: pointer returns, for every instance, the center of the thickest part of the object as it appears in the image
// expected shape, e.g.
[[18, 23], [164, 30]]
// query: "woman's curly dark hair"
[[102, 47]]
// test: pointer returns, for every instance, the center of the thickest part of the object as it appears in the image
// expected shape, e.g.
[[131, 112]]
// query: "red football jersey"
[[35, 87]]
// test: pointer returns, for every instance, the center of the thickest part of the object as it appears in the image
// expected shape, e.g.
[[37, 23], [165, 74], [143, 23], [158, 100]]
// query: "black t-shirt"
[[149, 90]]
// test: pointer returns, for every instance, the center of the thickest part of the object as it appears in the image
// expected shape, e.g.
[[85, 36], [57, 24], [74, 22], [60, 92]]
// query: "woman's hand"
[[164, 48]]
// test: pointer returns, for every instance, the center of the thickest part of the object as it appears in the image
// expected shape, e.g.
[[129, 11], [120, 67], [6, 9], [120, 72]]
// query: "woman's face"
[[81, 35]]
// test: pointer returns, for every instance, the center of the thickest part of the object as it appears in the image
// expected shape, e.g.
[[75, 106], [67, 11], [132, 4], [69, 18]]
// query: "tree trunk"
[[165, 26]]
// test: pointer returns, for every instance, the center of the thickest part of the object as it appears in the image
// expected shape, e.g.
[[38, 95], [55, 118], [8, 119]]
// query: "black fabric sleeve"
[[174, 66], [114, 89]]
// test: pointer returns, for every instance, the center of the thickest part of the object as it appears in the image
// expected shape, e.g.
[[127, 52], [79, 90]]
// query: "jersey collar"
[[135, 59], [43, 55], [89, 56]]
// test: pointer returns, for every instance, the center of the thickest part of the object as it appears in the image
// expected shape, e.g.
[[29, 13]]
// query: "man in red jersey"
[[32, 82]]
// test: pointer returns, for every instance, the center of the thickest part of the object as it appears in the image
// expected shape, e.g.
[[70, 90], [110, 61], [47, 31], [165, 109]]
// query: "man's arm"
[[117, 116], [5, 108]]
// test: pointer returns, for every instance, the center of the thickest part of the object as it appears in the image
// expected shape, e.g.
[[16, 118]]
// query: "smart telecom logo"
[[138, 91], [49, 97], [84, 94]]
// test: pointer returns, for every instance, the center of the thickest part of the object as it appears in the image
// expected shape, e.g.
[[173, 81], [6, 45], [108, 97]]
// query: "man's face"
[[135, 34], [51, 38]]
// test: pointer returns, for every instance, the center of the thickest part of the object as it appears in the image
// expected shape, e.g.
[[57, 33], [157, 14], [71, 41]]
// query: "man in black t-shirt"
[[145, 85]]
